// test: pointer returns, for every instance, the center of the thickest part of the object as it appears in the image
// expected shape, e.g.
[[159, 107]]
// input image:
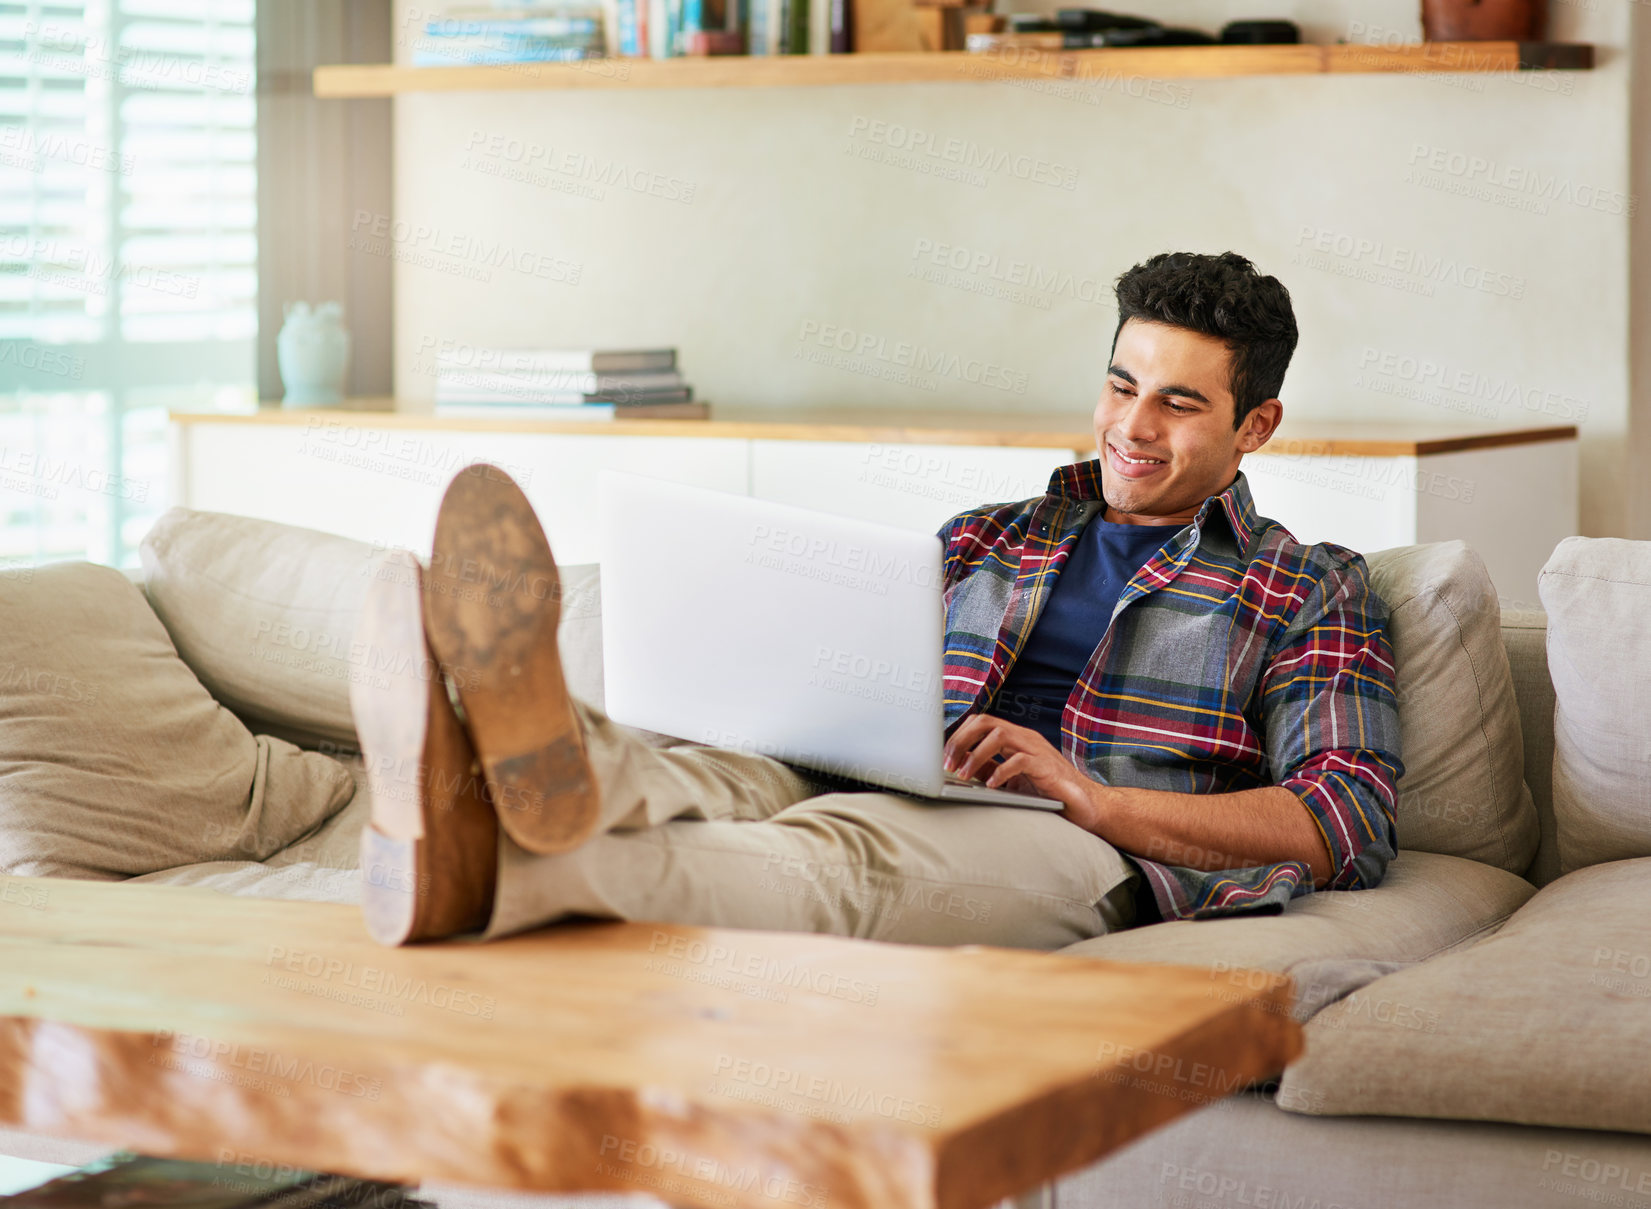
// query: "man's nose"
[[1136, 422]]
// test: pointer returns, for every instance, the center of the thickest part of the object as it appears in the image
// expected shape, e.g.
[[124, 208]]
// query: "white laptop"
[[763, 627]]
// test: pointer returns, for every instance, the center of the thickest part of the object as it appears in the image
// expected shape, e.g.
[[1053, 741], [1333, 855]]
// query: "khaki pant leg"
[[873, 865], [644, 786]]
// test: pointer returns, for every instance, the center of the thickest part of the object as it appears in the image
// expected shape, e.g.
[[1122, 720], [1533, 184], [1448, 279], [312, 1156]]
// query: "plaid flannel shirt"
[[1235, 658]]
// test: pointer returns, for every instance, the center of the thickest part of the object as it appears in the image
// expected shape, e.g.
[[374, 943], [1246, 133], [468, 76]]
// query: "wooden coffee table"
[[710, 1067]]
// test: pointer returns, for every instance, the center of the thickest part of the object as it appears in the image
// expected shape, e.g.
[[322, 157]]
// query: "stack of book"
[[566, 384], [664, 29], [530, 33], [661, 29]]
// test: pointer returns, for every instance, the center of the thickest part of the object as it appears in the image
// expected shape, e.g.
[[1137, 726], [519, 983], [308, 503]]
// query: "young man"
[[1212, 702]]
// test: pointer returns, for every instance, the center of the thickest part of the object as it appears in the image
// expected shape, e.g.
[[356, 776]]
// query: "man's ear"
[[1259, 426]]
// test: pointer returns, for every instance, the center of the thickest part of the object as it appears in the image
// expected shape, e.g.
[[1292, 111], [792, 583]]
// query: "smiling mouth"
[[1134, 461]]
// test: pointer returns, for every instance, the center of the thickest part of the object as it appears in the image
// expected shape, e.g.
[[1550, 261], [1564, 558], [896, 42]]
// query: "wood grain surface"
[[1034, 430], [1157, 62], [710, 1067]]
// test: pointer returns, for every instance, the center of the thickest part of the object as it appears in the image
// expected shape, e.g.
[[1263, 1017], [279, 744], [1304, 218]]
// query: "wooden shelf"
[[1164, 62], [1031, 430]]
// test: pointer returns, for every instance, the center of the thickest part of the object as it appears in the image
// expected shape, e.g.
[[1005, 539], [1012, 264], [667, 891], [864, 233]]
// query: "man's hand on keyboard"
[[1005, 756]]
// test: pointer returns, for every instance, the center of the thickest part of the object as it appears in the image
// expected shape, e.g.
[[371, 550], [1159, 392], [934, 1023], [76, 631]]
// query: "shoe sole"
[[492, 604], [429, 854]]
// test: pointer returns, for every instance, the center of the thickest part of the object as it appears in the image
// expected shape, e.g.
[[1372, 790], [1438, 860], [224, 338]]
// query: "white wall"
[[789, 229]]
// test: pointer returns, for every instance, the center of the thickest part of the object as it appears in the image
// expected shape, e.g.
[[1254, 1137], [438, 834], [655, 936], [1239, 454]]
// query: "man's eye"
[[1119, 390], [1179, 409]]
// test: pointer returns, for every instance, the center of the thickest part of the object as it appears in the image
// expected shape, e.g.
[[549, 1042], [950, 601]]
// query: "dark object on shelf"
[[1261, 33], [1076, 20], [842, 26], [1556, 56], [1484, 20], [1155, 37], [1090, 20]]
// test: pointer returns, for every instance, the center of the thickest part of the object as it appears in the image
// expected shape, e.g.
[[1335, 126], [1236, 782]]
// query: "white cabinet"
[[384, 484], [379, 477], [912, 486], [1511, 503]]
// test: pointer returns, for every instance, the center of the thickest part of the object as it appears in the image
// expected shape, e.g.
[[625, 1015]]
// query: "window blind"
[[128, 280]]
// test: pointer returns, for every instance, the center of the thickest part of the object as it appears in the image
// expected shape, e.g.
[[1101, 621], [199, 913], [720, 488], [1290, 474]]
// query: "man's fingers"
[[1007, 770], [963, 738], [971, 732], [983, 752], [966, 736]]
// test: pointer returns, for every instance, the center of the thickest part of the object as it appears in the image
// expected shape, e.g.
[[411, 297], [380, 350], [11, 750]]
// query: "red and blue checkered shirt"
[[1235, 658]]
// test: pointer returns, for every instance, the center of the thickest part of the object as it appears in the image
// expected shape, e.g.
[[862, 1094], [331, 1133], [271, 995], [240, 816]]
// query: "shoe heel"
[[390, 887], [547, 796], [429, 853]]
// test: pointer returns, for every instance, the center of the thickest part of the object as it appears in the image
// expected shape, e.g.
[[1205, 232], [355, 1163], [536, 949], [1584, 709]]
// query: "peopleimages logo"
[[918, 358], [993, 268], [847, 556], [42, 360], [1477, 175], [1423, 372], [1379, 254], [477, 255], [965, 155]]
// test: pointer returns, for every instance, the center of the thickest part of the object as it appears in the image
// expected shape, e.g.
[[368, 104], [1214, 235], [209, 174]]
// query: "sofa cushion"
[[1335, 941], [1525, 639], [265, 614], [1547, 1022], [1463, 792], [1242, 1153], [1597, 593], [114, 760]]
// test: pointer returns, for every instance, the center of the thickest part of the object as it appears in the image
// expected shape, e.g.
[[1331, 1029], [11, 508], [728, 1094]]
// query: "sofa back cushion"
[[266, 614], [114, 760], [1463, 792], [1525, 639], [1597, 594]]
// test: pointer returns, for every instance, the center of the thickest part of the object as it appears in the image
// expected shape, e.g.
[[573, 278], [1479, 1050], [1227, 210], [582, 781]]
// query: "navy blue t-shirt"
[[1073, 622]]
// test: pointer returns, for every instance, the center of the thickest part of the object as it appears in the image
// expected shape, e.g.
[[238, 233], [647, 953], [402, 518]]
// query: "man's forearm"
[[1210, 831]]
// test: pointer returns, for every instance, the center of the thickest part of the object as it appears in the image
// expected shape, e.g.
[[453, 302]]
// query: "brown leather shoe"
[[493, 600], [429, 855]]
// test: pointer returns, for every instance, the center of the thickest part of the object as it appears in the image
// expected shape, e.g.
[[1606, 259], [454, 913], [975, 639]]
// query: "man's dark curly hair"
[[1222, 296]]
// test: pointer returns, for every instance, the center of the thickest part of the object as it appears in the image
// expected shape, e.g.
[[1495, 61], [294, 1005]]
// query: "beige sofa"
[[1478, 1027]]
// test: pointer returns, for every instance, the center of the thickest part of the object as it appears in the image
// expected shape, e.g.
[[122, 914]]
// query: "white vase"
[[313, 353]]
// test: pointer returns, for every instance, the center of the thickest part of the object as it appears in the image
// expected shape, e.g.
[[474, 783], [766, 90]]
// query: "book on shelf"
[[630, 22], [506, 31], [472, 36], [841, 26], [481, 56], [780, 27], [465, 396], [598, 361], [664, 29], [576, 411], [576, 381]]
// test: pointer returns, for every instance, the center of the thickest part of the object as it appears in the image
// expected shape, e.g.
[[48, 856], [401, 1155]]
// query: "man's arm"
[[1250, 827], [1265, 826], [1330, 724]]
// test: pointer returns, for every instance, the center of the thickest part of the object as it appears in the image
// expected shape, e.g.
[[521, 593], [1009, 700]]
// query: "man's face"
[[1164, 423]]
